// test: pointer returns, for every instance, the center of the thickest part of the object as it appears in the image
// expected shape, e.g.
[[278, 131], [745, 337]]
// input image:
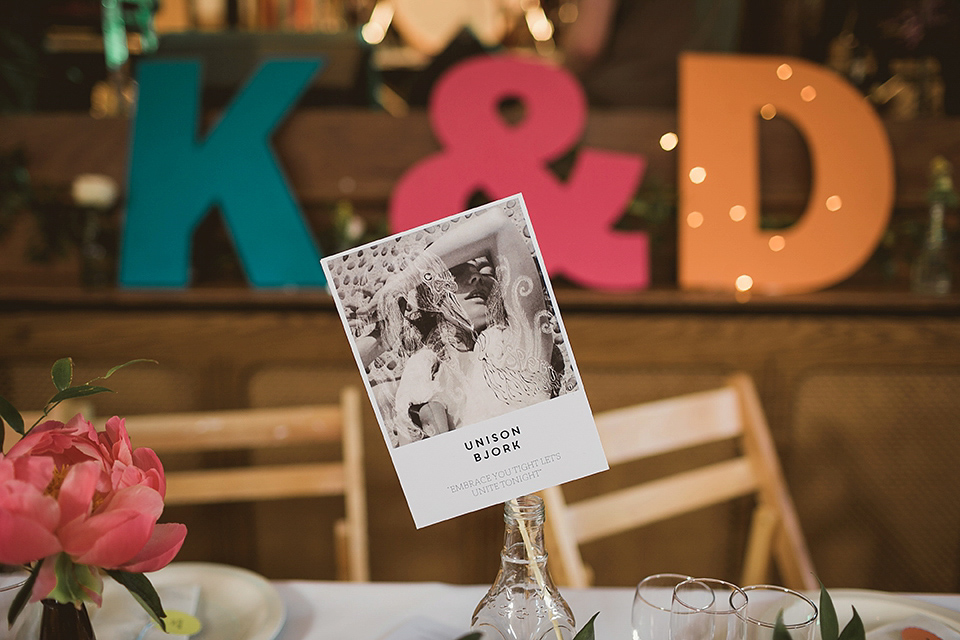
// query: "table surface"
[[372, 611]]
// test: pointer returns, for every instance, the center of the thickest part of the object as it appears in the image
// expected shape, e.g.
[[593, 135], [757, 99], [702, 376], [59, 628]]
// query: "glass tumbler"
[[724, 619], [691, 614], [652, 605], [765, 602]]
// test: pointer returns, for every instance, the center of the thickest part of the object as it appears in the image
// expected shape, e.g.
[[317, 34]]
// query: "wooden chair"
[[732, 412], [253, 429]]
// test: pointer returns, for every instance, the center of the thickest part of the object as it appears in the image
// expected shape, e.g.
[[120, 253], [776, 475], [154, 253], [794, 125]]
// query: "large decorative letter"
[[573, 219], [721, 244], [175, 179]]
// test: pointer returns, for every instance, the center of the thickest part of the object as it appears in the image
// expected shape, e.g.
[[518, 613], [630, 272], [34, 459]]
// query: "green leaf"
[[829, 627], [143, 592], [121, 366], [68, 589], [476, 635], [62, 373], [854, 629], [77, 392], [11, 416], [23, 596], [586, 633], [780, 629]]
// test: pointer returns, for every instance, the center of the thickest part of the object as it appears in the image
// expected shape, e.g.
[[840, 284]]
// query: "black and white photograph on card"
[[460, 344], [453, 323]]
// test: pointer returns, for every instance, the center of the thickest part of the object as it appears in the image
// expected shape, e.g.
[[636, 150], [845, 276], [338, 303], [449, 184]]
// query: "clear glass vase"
[[523, 603]]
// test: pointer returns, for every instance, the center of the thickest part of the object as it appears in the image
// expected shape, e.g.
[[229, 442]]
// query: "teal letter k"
[[176, 178]]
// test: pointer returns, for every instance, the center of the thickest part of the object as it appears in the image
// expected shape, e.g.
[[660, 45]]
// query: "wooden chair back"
[[259, 429], [730, 413]]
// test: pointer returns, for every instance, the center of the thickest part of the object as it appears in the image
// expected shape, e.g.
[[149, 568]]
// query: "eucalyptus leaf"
[[11, 416], [780, 629], [854, 629], [143, 592], [23, 596], [121, 366], [62, 373], [587, 633], [829, 626], [79, 391]]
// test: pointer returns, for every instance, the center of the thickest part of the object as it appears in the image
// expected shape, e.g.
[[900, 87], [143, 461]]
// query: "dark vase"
[[65, 622]]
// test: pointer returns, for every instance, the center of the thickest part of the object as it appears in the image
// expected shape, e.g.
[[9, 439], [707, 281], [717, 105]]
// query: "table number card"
[[463, 352]]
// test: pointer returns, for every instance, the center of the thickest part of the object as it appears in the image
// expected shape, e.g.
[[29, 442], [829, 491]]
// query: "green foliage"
[[62, 375], [586, 633], [829, 625], [23, 596], [143, 592], [780, 629], [11, 416]]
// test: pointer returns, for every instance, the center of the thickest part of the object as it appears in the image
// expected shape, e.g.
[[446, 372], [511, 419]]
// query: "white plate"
[[235, 604], [877, 608]]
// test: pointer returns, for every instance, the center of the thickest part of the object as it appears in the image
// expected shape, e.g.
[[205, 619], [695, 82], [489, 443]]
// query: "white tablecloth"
[[371, 611]]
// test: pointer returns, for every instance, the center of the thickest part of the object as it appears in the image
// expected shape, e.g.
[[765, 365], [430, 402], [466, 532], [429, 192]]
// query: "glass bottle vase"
[[931, 272], [523, 603], [65, 622]]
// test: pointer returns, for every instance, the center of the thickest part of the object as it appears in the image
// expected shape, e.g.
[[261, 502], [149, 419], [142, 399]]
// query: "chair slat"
[[638, 506], [255, 483], [658, 427], [245, 429]]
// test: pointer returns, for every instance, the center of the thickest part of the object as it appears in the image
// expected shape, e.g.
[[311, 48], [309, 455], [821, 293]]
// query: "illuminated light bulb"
[[808, 93], [744, 283], [668, 141], [694, 219], [698, 175], [784, 71], [539, 24], [834, 203], [376, 28], [738, 212], [568, 12], [372, 33], [768, 111], [776, 243]]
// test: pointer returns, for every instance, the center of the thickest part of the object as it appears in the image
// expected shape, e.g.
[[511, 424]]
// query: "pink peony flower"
[[28, 516], [66, 488]]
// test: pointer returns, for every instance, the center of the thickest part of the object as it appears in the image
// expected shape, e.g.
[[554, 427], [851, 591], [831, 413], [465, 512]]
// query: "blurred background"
[[859, 381]]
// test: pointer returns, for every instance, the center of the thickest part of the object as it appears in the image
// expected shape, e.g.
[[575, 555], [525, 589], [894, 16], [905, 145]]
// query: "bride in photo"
[[470, 327]]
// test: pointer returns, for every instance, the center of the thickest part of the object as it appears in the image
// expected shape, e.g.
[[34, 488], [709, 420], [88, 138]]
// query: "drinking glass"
[[691, 611], [723, 620], [765, 601], [652, 604]]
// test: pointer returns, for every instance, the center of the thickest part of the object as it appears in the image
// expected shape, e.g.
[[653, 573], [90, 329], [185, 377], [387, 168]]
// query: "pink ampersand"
[[482, 152]]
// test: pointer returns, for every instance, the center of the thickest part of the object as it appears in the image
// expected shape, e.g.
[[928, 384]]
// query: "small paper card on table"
[[463, 352]]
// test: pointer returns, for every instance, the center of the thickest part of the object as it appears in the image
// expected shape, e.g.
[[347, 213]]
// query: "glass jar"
[[523, 603]]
